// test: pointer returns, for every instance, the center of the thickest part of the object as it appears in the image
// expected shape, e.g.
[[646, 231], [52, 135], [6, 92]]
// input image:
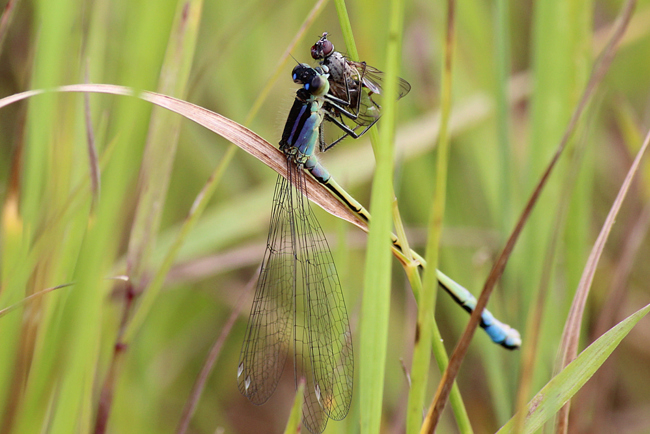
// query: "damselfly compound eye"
[[302, 73], [318, 85]]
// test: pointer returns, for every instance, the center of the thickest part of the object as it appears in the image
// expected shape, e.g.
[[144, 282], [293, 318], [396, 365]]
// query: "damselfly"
[[298, 299], [356, 83]]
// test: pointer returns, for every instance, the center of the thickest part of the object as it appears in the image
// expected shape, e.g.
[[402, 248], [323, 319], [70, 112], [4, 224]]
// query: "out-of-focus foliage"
[[56, 349]]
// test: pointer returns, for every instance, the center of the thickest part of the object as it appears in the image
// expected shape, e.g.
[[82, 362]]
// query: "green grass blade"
[[427, 303], [566, 384], [377, 283], [293, 424], [162, 140], [346, 29]]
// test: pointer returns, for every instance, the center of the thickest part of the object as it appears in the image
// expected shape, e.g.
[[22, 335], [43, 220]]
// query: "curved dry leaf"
[[230, 130]]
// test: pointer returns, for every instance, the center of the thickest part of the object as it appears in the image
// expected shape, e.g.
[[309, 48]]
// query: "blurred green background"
[[56, 349]]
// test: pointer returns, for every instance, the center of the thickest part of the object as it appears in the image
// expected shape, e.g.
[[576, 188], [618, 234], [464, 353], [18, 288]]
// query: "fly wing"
[[345, 85], [268, 333], [329, 341], [373, 79], [365, 101]]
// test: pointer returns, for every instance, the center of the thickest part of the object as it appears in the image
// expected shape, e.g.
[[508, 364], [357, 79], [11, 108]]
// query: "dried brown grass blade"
[[571, 334], [600, 68]]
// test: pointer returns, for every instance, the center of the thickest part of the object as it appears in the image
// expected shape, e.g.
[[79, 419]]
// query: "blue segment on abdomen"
[[317, 170]]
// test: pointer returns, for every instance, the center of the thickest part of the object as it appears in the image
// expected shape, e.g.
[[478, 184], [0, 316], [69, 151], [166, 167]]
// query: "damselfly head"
[[313, 80], [302, 73], [322, 48]]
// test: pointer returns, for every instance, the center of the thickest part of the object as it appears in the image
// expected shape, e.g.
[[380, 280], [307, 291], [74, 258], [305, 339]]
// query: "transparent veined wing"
[[373, 79], [367, 103], [299, 300], [326, 360], [330, 339], [269, 331]]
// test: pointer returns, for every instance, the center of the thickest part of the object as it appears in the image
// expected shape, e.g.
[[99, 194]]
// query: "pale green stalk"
[[377, 282], [79, 320], [162, 140], [411, 271], [497, 376], [160, 153], [426, 306], [562, 61]]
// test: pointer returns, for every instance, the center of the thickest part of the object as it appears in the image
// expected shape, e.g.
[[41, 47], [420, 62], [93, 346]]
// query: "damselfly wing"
[[298, 306]]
